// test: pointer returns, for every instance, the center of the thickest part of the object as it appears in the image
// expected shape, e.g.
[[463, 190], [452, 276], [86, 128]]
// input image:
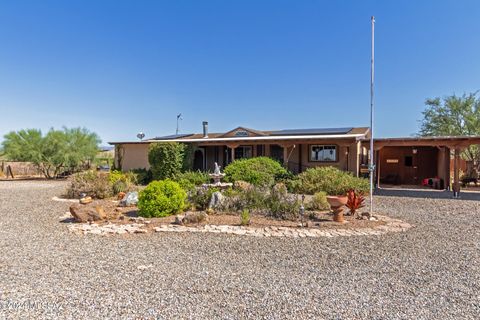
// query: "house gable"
[[243, 132]]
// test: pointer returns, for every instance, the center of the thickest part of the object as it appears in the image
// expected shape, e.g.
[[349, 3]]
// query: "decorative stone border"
[[391, 225], [64, 200], [105, 229]]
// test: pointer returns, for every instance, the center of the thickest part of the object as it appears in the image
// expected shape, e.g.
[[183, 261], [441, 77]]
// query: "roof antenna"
[[179, 117], [141, 135]]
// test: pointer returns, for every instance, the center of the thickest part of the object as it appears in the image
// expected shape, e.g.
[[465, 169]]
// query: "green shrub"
[[190, 179], [142, 176], [161, 199], [92, 183], [318, 201], [121, 181], [119, 186], [245, 217], [166, 159], [260, 171], [329, 180]]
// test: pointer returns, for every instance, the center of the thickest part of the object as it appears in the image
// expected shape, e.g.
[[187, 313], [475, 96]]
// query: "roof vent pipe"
[[205, 129]]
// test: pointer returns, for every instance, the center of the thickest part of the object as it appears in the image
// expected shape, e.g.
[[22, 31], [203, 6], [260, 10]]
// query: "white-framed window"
[[323, 153]]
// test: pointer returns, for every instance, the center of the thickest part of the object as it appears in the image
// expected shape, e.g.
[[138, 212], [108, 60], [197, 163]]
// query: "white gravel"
[[431, 271]]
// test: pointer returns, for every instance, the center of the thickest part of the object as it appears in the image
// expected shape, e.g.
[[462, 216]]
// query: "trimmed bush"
[[190, 179], [330, 180], [161, 199], [259, 171], [166, 159], [92, 183]]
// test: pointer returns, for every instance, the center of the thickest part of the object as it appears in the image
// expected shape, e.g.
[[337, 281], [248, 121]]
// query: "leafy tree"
[[453, 116], [54, 151]]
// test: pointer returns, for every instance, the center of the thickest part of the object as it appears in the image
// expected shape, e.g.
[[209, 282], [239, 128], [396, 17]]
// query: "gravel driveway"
[[429, 272]]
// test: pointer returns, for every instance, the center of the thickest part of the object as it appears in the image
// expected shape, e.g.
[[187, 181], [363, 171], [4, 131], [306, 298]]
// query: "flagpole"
[[372, 162]]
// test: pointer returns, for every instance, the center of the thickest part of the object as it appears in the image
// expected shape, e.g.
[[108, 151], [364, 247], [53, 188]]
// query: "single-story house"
[[297, 149], [398, 160]]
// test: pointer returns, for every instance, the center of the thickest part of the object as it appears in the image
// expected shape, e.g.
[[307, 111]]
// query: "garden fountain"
[[217, 177]]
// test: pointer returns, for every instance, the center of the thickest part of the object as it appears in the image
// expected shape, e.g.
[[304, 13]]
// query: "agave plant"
[[355, 201]]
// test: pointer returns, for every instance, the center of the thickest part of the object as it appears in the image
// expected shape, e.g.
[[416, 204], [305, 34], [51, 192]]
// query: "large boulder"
[[194, 217], [216, 200], [86, 213]]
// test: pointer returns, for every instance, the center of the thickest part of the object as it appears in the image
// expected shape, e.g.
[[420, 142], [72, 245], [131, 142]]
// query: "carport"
[[410, 160]]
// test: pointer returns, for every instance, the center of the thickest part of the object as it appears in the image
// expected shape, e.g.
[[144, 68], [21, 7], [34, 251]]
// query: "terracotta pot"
[[337, 201], [336, 204]]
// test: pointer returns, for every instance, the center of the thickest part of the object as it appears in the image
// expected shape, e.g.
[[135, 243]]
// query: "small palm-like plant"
[[355, 201]]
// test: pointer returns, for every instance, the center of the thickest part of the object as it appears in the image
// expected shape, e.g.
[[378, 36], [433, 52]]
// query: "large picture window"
[[323, 153], [242, 152]]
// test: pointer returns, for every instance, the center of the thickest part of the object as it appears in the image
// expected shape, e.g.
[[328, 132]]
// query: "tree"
[[454, 116], [53, 152]]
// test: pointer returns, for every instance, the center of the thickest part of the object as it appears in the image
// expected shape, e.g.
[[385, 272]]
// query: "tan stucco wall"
[[134, 156]]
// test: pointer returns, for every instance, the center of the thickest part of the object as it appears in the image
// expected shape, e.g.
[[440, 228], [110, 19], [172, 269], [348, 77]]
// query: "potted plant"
[[338, 198], [336, 204]]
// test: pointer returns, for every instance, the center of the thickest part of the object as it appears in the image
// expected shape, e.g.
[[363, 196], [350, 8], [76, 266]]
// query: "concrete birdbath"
[[217, 177]]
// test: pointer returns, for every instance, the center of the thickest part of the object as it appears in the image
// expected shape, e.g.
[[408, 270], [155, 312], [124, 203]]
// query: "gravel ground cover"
[[431, 271]]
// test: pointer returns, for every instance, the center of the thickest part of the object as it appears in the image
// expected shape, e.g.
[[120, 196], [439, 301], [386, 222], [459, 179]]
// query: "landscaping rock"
[[178, 219], [194, 217], [85, 213], [86, 200], [216, 200], [130, 199]]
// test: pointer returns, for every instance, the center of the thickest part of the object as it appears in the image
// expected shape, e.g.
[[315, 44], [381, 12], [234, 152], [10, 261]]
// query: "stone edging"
[[64, 200], [391, 225]]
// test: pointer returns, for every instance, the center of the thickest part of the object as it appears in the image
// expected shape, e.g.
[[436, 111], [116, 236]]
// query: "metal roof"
[[319, 131], [173, 136]]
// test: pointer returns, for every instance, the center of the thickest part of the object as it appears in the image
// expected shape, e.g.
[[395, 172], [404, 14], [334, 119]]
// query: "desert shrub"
[[260, 171], [245, 217], [128, 177], [329, 180], [237, 199], [119, 186], [166, 159], [161, 199], [242, 185], [92, 183], [275, 202], [122, 181], [200, 197], [190, 179], [142, 176], [318, 201], [282, 205]]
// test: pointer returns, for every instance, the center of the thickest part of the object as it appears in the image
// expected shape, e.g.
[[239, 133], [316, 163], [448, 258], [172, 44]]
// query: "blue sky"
[[120, 67]]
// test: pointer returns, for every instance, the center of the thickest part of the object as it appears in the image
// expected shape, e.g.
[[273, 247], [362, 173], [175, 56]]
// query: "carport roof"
[[434, 141]]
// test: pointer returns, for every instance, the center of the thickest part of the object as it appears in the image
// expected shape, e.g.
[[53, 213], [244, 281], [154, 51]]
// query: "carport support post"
[[456, 169]]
